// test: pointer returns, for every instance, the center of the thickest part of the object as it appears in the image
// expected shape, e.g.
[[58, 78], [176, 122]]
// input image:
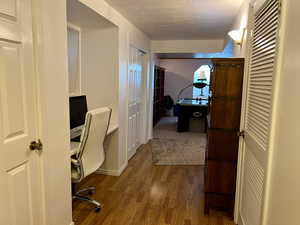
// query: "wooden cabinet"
[[158, 101], [222, 140]]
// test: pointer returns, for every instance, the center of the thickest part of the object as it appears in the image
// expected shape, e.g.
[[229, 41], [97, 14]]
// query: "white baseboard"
[[131, 153], [115, 173]]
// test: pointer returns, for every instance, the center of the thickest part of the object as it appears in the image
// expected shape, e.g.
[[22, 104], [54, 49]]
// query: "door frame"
[[239, 177], [50, 55], [145, 99]]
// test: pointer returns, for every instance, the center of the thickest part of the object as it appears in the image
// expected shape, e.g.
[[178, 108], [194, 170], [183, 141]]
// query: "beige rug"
[[177, 152], [172, 148]]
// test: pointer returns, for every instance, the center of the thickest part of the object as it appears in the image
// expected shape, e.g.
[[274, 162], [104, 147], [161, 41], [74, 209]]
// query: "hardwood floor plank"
[[146, 194]]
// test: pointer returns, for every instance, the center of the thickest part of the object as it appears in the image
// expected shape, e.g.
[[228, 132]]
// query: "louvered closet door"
[[261, 75], [134, 100]]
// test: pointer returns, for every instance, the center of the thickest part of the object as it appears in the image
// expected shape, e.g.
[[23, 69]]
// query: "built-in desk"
[[75, 145]]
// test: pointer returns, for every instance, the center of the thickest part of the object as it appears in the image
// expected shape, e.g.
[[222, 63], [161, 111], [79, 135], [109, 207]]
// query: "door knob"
[[241, 134], [36, 145]]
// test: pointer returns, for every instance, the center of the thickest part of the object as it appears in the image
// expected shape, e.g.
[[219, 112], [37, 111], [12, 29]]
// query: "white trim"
[[240, 163], [115, 173], [127, 97], [73, 26], [258, 4], [275, 102], [148, 98], [78, 29], [50, 32], [145, 74], [131, 153], [151, 97]]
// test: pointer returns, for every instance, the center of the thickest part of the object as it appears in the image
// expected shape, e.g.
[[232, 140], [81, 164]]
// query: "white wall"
[[74, 61], [284, 199], [187, 46], [100, 80], [99, 57], [180, 73], [241, 22], [128, 34]]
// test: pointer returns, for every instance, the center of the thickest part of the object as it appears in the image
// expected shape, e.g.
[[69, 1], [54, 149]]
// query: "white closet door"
[[135, 80], [261, 76], [20, 178]]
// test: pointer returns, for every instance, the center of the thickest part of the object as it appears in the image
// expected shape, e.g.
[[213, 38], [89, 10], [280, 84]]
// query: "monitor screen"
[[78, 110]]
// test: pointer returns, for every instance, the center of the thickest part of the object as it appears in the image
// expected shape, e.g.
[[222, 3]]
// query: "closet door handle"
[[241, 134], [36, 146]]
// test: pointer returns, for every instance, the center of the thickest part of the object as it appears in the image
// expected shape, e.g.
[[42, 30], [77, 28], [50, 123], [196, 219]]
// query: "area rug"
[[178, 152]]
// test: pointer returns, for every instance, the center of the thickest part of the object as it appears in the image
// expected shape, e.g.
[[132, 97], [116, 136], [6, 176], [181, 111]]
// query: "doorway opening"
[[200, 128], [180, 85]]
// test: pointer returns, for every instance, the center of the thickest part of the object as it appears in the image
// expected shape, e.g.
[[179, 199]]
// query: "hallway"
[[149, 195]]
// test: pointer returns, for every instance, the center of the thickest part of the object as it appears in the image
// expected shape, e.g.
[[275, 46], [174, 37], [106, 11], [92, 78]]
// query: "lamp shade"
[[202, 75], [237, 35]]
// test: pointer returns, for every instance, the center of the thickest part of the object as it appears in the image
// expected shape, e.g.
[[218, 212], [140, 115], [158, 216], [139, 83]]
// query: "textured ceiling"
[[180, 19]]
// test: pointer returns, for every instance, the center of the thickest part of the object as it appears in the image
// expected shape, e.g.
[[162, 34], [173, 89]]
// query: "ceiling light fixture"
[[237, 36]]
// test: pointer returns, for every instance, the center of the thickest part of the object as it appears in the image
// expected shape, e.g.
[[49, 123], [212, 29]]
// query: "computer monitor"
[[78, 110]]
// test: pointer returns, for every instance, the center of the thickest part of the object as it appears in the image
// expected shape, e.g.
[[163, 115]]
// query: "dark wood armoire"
[[159, 91], [222, 139]]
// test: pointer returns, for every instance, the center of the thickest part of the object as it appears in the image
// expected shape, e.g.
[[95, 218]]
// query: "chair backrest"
[[91, 150]]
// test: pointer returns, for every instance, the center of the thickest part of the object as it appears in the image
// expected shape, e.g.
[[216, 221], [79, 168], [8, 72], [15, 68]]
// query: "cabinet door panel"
[[228, 79], [220, 177], [225, 113], [222, 145], [217, 201]]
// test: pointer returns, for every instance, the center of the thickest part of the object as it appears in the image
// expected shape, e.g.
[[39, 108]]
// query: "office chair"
[[90, 154]]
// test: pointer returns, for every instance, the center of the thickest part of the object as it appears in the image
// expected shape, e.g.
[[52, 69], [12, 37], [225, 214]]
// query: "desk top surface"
[[191, 102]]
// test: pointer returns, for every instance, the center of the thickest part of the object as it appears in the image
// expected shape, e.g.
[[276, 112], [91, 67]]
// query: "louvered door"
[[261, 76]]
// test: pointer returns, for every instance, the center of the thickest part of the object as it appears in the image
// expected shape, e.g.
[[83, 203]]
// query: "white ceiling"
[[180, 19]]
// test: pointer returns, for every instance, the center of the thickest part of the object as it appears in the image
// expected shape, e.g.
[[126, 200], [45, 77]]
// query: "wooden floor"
[[148, 195]]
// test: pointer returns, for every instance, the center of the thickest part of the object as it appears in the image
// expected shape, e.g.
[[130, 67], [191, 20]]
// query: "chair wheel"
[[98, 209]]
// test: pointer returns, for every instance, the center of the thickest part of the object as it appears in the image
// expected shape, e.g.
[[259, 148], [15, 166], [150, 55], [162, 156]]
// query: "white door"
[[261, 77], [20, 184], [135, 80]]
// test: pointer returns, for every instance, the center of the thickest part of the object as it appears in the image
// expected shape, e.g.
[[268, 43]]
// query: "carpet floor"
[[172, 148]]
